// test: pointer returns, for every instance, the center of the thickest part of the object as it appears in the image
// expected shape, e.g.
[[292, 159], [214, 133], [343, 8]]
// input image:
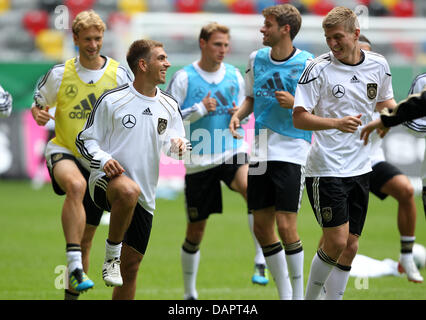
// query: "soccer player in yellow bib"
[[73, 87]]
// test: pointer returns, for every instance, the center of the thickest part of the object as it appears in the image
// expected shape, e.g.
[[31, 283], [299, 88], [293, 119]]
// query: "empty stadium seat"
[[4, 6], [49, 5], [76, 6], [132, 6], [215, 6], [51, 43], [188, 6], [106, 5], [243, 7], [404, 8], [35, 21], [321, 8], [160, 5]]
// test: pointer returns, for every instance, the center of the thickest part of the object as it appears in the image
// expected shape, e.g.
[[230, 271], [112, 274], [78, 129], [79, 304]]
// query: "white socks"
[[112, 251], [190, 259], [295, 268], [320, 270], [277, 265], [335, 285], [74, 260]]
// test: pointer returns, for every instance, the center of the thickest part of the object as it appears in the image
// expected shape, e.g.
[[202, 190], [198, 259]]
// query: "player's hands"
[[209, 103], [41, 116], [370, 127], [234, 109], [113, 168], [179, 146], [349, 124], [234, 124], [285, 99]]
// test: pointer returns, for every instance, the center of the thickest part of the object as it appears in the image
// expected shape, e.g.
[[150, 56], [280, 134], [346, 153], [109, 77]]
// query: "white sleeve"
[[96, 128], [178, 87], [5, 103], [249, 76], [419, 84], [123, 75], [242, 91], [47, 88], [307, 90], [385, 91]]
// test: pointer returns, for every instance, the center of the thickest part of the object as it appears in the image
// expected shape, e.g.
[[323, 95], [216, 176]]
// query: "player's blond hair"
[[341, 16], [140, 49], [86, 19], [285, 14], [207, 31]]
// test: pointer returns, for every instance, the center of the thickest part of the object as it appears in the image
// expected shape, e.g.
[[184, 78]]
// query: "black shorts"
[[203, 192], [281, 186], [139, 231], [93, 212], [336, 201], [382, 173]]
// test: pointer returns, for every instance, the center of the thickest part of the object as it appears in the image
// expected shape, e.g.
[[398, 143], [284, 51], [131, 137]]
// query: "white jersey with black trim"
[[132, 129], [418, 85], [331, 89], [5, 103], [279, 147], [48, 87], [178, 88]]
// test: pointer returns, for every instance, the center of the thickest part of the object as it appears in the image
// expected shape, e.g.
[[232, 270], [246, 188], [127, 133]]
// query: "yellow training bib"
[[76, 100]]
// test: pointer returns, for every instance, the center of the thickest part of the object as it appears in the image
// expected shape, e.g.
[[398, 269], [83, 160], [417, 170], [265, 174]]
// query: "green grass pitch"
[[32, 247]]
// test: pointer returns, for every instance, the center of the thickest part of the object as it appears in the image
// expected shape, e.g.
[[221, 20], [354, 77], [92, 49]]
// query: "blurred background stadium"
[[35, 35]]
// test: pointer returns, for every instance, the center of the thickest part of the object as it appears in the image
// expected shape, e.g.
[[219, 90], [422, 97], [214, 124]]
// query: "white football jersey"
[[418, 85], [331, 89], [132, 129]]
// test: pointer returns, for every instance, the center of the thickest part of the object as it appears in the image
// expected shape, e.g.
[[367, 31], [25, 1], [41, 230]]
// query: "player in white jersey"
[[73, 88], [418, 128], [276, 175], [123, 139], [5, 103], [337, 92], [207, 91], [386, 179]]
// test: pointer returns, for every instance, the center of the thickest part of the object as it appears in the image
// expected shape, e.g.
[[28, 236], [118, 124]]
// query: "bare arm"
[[304, 120], [244, 111]]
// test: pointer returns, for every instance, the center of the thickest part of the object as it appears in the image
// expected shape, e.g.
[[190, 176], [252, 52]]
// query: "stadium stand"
[[29, 18]]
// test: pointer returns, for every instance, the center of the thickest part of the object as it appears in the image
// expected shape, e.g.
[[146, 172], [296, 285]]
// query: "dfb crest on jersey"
[[371, 90], [162, 125], [327, 214]]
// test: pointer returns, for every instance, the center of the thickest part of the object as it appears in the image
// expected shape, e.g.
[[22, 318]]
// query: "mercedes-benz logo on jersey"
[[371, 90], [199, 93], [338, 91], [71, 91], [129, 121]]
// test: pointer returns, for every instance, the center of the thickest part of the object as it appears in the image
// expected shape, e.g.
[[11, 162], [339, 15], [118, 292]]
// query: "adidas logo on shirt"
[[147, 112], [354, 79]]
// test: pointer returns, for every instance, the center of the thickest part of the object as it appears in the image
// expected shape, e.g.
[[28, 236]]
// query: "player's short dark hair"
[[140, 49], [285, 14]]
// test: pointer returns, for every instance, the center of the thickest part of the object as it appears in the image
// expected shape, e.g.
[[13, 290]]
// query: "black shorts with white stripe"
[[336, 200]]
